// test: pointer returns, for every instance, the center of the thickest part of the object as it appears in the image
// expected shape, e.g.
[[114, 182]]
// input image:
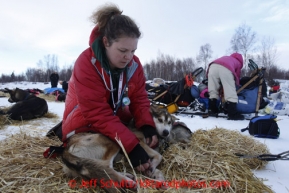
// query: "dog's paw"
[[129, 183], [129, 176], [157, 175]]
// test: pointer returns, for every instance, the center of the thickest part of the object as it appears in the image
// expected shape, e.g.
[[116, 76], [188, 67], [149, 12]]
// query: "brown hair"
[[112, 24]]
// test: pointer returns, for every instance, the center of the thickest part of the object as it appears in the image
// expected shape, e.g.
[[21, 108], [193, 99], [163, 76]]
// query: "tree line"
[[45, 67], [244, 40]]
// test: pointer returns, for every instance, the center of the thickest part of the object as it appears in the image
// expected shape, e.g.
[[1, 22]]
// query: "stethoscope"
[[122, 93]]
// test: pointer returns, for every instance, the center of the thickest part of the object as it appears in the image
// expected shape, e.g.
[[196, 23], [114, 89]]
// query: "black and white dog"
[[28, 106]]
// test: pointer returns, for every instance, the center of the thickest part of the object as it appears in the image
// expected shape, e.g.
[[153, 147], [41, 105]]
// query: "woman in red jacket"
[[107, 86]]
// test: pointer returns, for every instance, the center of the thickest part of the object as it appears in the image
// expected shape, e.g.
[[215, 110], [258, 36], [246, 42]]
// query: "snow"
[[275, 175]]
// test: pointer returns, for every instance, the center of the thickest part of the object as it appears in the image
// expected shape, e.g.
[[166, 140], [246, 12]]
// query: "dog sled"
[[252, 91], [174, 94], [250, 96]]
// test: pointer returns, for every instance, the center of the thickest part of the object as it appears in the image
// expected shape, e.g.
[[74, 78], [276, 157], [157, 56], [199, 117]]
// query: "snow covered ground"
[[275, 175]]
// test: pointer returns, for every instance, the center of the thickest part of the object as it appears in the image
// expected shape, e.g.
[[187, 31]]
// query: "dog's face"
[[16, 95], [163, 120]]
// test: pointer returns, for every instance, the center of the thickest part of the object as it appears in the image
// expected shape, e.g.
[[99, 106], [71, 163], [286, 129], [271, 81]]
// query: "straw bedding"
[[6, 120], [209, 156]]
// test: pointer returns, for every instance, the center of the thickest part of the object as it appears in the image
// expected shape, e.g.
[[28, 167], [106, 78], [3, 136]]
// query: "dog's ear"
[[8, 90], [153, 108], [174, 118]]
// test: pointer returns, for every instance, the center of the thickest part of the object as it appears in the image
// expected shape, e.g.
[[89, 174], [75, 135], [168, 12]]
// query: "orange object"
[[189, 80]]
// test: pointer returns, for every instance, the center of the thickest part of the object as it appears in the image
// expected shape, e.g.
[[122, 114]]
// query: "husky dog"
[[28, 106], [91, 155], [168, 127]]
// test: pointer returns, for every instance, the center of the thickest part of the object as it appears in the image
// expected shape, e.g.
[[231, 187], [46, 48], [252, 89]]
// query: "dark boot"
[[233, 113], [55, 131], [213, 109]]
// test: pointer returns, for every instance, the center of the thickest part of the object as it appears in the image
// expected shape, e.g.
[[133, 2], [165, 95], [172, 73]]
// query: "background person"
[[107, 86], [64, 85], [54, 77], [224, 73]]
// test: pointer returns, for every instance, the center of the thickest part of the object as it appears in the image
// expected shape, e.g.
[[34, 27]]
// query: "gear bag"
[[263, 126]]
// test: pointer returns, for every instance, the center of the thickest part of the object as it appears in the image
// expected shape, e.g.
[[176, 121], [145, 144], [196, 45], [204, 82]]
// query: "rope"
[[267, 157]]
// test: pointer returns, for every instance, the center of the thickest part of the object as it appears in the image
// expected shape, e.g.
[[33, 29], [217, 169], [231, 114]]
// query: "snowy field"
[[275, 175]]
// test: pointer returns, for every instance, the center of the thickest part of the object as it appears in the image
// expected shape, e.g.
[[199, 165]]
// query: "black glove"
[[138, 156], [148, 131]]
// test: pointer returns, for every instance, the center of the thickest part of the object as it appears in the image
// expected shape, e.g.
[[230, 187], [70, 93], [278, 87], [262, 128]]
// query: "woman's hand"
[[153, 141], [151, 135], [139, 158], [144, 167]]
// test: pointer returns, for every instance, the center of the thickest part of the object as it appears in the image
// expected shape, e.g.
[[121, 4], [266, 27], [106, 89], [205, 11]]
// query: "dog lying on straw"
[[91, 155], [27, 106]]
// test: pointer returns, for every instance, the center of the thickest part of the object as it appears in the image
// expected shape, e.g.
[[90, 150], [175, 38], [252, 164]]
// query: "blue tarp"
[[51, 90]]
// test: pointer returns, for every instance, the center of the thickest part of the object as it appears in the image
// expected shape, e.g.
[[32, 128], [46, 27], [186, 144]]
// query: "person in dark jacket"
[[107, 87], [224, 73], [64, 84], [54, 77]]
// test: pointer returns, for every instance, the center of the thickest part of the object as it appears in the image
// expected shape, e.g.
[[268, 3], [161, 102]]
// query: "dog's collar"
[[164, 145]]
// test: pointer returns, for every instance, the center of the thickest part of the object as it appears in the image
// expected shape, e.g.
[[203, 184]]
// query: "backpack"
[[263, 126]]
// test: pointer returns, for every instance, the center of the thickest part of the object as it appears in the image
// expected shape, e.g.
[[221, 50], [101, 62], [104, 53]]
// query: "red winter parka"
[[87, 104]]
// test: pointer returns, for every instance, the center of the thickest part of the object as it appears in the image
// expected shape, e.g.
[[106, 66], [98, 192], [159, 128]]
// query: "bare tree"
[[268, 53], [66, 72], [51, 64], [168, 68], [243, 41], [205, 54], [12, 77]]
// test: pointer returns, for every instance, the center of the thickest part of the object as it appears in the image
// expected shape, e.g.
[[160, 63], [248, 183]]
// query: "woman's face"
[[121, 51]]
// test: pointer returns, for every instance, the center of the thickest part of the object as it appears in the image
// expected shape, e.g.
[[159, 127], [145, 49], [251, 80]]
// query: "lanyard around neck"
[[120, 91], [111, 90]]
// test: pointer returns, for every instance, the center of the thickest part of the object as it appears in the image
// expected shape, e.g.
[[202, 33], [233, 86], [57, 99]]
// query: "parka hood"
[[94, 35], [239, 57]]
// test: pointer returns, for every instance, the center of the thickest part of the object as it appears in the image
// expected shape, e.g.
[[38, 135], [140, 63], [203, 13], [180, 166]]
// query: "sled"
[[258, 76], [173, 95], [251, 90]]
